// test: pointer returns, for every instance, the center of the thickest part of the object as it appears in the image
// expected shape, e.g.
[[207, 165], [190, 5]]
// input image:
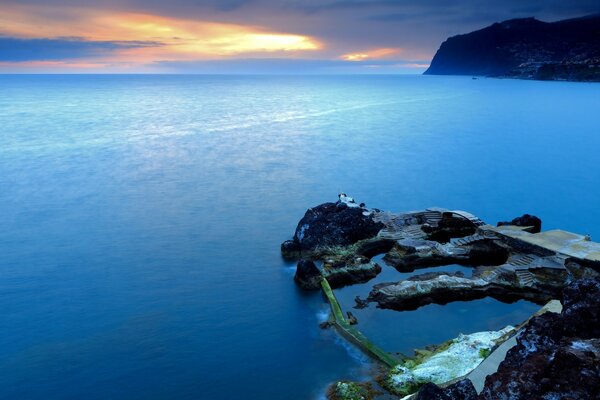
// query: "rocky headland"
[[525, 48], [335, 243]]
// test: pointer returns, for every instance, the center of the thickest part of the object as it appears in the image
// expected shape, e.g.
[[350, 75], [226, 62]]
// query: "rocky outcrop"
[[461, 390], [444, 363], [331, 225], [525, 48], [557, 355], [349, 274], [533, 223], [307, 275], [443, 288], [410, 254], [450, 226]]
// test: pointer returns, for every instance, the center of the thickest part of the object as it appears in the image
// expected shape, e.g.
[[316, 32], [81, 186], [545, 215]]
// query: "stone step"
[[526, 278], [466, 240]]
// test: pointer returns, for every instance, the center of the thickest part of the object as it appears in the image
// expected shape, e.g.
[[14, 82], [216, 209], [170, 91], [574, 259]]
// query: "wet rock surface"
[[526, 220], [307, 275]]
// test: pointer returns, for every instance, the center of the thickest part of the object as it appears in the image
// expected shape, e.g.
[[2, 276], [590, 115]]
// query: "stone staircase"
[[432, 217], [526, 278], [402, 232], [467, 239], [522, 260]]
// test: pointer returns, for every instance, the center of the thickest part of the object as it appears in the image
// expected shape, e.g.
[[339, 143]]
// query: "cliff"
[[525, 48]]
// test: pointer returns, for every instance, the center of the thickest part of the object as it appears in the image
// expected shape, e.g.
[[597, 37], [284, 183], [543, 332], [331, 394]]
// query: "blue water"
[[141, 217]]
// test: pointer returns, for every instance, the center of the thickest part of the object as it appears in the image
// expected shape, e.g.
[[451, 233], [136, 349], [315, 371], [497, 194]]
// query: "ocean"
[[141, 218]]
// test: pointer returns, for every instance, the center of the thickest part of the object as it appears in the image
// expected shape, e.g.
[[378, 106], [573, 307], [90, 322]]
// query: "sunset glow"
[[144, 38]]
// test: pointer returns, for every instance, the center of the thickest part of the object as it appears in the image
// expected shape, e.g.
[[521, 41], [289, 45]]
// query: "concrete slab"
[[563, 242]]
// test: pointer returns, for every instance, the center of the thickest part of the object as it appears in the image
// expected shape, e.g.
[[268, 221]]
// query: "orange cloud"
[[179, 39], [371, 54]]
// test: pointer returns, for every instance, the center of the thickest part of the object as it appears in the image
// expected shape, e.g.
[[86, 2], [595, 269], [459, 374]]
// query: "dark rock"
[[525, 48], [443, 288], [332, 225], [374, 246], [487, 252], [450, 226], [325, 325], [360, 303], [531, 221], [290, 249], [461, 390], [410, 254], [350, 274], [308, 275], [557, 355], [351, 318]]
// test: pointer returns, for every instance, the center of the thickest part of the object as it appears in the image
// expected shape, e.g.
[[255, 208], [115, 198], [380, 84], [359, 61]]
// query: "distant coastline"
[[526, 48]]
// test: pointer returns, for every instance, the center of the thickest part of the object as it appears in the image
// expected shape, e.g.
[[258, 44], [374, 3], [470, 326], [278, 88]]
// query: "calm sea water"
[[141, 218]]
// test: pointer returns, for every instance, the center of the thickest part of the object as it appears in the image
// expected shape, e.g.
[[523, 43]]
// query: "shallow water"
[[142, 217]]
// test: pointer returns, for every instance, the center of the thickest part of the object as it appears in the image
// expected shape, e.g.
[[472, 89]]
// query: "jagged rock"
[[410, 254], [308, 275], [360, 303], [557, 355], [339, 275], [531, 221], [461, 390], [450, 226], [351, 318], [331, 225], [443, 288]]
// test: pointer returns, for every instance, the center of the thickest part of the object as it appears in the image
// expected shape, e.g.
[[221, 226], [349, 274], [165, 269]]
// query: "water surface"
[[142, 216]]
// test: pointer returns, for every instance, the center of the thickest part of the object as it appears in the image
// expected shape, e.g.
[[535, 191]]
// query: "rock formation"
[[331, 225], [526, 220], [525, 48], [557, 355]]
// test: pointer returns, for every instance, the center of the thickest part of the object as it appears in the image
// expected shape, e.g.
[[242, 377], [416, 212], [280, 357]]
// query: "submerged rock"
[[308, 275], [557, 355], [331, 225], [533, 223]]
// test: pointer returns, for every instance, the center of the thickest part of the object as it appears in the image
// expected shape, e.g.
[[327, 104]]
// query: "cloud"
[[46, 49], [371, 54]]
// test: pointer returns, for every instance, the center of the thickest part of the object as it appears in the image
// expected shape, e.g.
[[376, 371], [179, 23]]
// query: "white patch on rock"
[[349, 201], [303, 229], [460, 358]]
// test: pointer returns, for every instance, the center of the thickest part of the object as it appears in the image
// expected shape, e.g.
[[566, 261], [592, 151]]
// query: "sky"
[[247, 36]]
